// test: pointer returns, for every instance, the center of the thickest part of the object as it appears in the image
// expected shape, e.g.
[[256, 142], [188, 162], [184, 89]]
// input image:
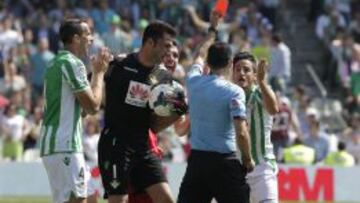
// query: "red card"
[[221, 7]]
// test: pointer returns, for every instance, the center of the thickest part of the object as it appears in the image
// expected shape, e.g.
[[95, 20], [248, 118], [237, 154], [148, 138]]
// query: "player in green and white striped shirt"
[[67, 93], [261, 104]]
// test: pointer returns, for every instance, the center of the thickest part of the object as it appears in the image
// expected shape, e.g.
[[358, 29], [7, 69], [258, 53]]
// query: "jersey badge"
[[115, 183]]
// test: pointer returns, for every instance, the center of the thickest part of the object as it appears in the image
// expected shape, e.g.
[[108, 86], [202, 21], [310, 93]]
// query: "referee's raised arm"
[[201, 53]]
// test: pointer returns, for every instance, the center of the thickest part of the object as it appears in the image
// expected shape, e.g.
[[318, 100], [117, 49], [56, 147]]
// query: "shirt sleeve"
[[238, 105], [74, 74], [195, 70]]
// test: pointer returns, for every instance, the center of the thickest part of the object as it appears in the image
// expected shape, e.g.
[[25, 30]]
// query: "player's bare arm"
[[90, 100], [243, 143], [269, 97], [182, 126]]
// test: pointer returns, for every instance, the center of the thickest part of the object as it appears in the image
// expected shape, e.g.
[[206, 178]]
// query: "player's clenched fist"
[[101, 61]]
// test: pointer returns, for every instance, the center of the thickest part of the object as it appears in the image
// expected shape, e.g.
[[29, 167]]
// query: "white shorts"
[[263, 183], [68, 176], [91, 182]]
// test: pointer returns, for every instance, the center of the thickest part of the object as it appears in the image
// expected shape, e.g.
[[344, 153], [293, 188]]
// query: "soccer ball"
[[161, 96]]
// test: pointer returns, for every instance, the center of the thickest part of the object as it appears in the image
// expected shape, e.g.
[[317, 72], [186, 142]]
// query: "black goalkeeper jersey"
[[127, 86]]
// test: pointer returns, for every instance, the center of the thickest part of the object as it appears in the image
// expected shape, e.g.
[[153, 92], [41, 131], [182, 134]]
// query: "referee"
[[218, 127]]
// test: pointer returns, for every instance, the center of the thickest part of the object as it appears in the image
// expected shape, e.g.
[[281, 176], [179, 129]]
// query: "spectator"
[[298, 96], [28, 41], [116, 39], [347, 53], [96, 45], [269, 9], [22, 61], [353, 142], [340, 158], [39, 62], [355, 89], [342, 6], [354, 147], [14, 129], [137, 35], [283, 122], [328, 21], [299, 153], [280, 62], [170, 10], [262, 50], [84, 10], [102, 17], [17, 98], [300, 105], [44, 30], [239, 41], [9, 37], [58, 12], [255, 25], [317, 139], [13, 80], [355, 27], [31, 139], [316, 7]]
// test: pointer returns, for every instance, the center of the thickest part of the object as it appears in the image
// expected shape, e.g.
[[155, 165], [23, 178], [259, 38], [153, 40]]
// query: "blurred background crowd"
[[313, 47]]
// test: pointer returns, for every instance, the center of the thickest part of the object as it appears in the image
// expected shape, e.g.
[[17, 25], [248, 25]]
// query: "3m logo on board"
[[137, 94], [297, 184]]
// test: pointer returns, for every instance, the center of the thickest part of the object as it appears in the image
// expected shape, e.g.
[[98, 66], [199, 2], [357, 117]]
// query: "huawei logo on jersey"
[[137, 91], [138, 94]]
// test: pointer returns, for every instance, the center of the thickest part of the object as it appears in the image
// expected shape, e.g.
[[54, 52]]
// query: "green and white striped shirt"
[[260, 123], [61, 130]]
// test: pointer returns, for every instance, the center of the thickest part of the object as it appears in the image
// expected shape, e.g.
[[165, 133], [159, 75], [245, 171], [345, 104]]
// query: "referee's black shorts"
[[214, 175]]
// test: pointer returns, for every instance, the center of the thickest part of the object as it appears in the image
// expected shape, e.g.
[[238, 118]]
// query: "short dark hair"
[[300, 89], [244, 55], [69, 28], [298, 140], [219, 55], [156, 30], [276, 37], [341, 146]]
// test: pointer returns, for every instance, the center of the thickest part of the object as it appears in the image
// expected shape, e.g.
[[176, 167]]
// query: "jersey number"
[[81, 173]]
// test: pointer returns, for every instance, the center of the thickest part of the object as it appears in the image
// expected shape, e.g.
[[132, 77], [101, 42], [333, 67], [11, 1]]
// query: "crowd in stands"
[[29, 41], [337, 25]]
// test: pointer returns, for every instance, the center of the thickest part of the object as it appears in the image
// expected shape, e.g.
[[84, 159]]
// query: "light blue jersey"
[[213, 103]]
